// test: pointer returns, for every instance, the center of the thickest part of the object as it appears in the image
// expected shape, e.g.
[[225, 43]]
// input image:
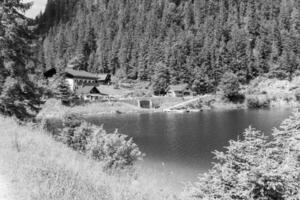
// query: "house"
[[90, 93], [104, 79], [180, 90], [78, 79]]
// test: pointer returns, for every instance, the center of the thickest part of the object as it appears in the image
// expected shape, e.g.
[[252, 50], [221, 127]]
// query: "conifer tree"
[[247, 37], [63, 92], [161, 79], [19, 96]]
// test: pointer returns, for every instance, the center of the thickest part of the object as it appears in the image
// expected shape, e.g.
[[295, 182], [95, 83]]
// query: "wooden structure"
[[145, 104], [79, 78], [90, 93], [180, 90]]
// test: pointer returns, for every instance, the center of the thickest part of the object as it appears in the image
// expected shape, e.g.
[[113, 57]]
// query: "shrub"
[[76, 132], [46, 125], [261, 101], [115, 150], [230, 86], [256, 167]]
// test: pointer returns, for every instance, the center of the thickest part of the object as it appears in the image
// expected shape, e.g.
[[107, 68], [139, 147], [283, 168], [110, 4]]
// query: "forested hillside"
[[192, 41]]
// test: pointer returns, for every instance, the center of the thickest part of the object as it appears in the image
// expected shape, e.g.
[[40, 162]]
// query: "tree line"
[[183, 41]]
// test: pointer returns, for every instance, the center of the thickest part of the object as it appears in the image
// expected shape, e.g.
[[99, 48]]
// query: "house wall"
[[78, 83], [71, 83]]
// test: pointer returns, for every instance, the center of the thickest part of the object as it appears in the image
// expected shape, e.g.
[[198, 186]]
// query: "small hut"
[[180, 90], [90, 93]]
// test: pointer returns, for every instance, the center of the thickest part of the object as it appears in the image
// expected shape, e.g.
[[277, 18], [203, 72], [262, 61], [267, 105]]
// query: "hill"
[[174, 41]]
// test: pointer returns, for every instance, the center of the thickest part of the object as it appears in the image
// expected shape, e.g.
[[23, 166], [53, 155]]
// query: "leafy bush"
[[261, 101], [115, 150], [76, 132], [256, 167], [230, 86]]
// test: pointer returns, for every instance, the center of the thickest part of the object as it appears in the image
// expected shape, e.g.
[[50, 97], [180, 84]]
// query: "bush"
[[76, 132], [115, 150], [230, 86], [261, 101], [256, 167]]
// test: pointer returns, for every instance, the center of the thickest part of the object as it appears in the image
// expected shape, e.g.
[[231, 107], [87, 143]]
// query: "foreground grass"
[[42, 169]]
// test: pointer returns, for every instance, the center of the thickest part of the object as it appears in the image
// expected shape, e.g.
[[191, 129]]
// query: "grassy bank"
[[40, 168], [54, 109]]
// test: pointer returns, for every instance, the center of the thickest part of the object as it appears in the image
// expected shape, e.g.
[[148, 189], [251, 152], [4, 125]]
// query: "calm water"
[[180, 145]]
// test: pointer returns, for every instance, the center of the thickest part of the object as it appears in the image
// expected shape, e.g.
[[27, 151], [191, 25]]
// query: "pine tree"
[[255, 167], [63, 92], [161, 79], [19, 96], [202, 83], [230, 86], [247, 37]]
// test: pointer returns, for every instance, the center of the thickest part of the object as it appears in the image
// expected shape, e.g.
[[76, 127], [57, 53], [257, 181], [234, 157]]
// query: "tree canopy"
[[249, 38]]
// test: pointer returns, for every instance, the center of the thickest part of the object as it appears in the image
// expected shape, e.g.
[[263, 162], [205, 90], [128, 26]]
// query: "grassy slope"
[[41, 168]]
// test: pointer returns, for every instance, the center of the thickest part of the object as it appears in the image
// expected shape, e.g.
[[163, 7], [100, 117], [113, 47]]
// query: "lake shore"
[[54, 109], [259, 93]]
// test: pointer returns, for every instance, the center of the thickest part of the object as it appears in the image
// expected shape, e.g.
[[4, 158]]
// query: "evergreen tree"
[[255, 167], [161, 79], [246, 37], [230, 86], [19, 96], [202, 83], [63, 92]]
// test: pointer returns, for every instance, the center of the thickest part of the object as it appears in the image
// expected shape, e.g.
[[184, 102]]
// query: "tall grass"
[[43, 169]]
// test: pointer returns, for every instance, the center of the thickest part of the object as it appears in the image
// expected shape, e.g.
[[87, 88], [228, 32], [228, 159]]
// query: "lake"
[[180, 146]]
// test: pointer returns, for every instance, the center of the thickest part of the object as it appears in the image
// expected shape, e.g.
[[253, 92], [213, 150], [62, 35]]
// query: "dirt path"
[[5, 193]]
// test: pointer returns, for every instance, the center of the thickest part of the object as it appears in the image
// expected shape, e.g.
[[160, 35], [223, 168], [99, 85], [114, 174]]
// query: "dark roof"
[[180, 87], [81, 74], [50, 73], [88, 90]]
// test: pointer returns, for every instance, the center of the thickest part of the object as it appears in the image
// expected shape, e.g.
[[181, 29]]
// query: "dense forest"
[[180, 41]]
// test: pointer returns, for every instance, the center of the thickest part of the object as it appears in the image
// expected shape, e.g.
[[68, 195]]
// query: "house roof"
[[81, 74], [88, 89], [50, 72], [180, 87], [102, 76]]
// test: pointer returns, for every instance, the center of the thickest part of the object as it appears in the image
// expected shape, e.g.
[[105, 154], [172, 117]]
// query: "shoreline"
[[54, 109]]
